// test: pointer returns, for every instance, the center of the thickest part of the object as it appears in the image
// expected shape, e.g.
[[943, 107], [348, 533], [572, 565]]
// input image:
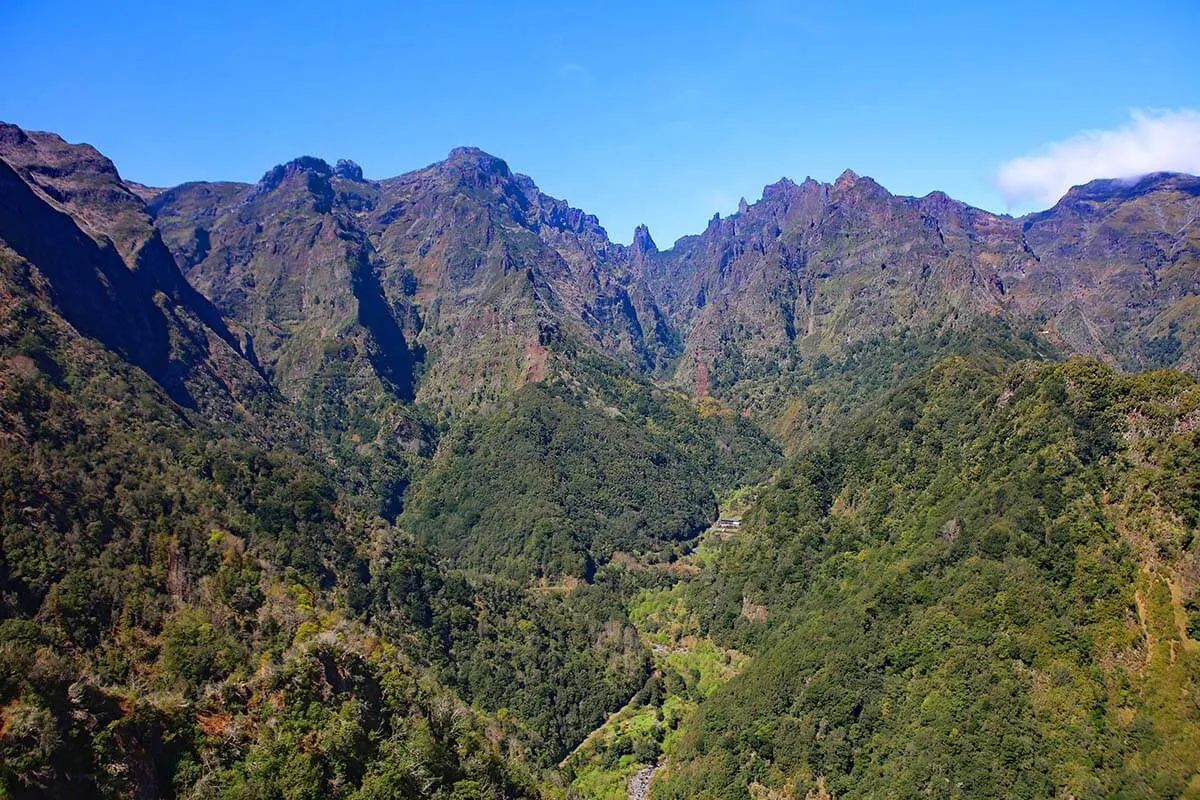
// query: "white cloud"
[[1153, 141]]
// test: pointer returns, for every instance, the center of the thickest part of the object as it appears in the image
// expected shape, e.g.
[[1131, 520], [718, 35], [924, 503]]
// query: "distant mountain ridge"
[[451, 286], [373, 317], [326, 486], [804, 271]]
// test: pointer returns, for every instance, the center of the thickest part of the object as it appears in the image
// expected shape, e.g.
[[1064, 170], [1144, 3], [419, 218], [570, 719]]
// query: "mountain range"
[[434, 454]]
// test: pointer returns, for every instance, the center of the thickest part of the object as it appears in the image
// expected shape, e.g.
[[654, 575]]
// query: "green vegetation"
[[687, 669], [447, 539], [187, 614], [980, 589], [569, 471], [800, 399], [985, 586], [559, 662]]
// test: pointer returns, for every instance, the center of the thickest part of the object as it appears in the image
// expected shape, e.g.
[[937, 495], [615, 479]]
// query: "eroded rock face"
[[458, 282], [1118, 270], [348, 170], [814, 267], [89, 250], [468, 267], [286, 258]]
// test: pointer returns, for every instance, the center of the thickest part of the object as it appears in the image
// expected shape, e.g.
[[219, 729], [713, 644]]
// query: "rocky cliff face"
[[457, 278], [82, 245], [813, 267], [1118, 270], [285, 258], [457, 283]]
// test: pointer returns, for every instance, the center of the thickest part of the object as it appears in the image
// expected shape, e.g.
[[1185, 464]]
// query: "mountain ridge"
[[359, 488]]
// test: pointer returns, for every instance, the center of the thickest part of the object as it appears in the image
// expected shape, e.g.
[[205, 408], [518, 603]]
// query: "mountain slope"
[[1118, 270], [177, 600], [486, 275], [472, 273], [486, 286], [814, 268], [588, 463], [324, 486], [86, 246], [987, 588]]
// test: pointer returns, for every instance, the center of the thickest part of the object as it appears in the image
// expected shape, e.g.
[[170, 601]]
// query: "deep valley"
[[327, 486]]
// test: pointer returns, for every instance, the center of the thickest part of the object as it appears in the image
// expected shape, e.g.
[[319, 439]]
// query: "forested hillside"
[[327, 487], [585, 464], [988, 587]]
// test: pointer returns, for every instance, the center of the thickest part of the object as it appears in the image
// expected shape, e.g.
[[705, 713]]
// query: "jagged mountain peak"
[[318, 166], [848, 178], [779, 190], [478, 252], [787, 192], [850, 183], [315, 174], [302, 165], [643, 243], [477, 160], [348, 170]]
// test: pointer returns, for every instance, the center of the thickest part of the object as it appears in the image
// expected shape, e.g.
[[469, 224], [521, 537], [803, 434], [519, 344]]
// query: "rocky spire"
[[348, 170], [642, 243]]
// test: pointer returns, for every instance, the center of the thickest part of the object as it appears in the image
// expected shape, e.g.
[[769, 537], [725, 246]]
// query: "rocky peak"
[[643, 243], [275, 176], [562, 215], [471, 161], [785, 194], [846, 180], [82, 182], [780, 190], [315, 173], [11, 134], [348, 170], [940, 203], [1127, 188], [861, 188]]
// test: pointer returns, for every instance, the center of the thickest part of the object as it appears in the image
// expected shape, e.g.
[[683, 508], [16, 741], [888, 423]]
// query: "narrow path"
[[639, 784], [1139, 601]]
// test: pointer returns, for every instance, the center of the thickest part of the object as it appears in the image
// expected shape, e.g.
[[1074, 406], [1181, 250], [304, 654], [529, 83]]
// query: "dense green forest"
[[324, 487], [186, 613], [985, 585], [588, 463], [984, 588], [800, 399]]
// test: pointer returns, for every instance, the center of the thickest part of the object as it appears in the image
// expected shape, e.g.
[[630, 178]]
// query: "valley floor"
[[619, 759]]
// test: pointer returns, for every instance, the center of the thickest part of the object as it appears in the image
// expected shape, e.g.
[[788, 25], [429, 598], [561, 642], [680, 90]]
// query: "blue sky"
[[653, 112]]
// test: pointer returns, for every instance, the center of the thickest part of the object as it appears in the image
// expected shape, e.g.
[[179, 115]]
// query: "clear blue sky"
[[638, 112]]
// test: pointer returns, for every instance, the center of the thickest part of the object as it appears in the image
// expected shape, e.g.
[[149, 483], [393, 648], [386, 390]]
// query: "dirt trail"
[[639, 784]]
